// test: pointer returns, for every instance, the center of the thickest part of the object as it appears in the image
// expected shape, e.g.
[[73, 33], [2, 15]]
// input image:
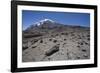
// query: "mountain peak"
[[44, 21]]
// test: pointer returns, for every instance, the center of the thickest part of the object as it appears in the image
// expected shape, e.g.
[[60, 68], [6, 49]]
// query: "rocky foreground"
[[54, 44]]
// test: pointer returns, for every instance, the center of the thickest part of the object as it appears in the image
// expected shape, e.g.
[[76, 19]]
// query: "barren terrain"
[[53, 44]]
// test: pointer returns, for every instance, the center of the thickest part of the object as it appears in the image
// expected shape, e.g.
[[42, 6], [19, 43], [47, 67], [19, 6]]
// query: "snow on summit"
[[44, 21]]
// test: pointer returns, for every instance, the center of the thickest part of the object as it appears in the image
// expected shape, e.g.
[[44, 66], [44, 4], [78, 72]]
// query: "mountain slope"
[[52, 41]]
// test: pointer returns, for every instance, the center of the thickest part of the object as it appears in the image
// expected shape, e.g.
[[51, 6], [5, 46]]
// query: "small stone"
[[64, 39], [78, 46], [41, 41], [34, 46], [84, 50], [50, 39], [85, 55], [81, 43], [88, 39], [55, 41], [78, 57], [49, 58]]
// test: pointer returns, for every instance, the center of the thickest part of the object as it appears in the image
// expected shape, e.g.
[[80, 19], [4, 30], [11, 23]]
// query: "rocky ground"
[[69, 43]]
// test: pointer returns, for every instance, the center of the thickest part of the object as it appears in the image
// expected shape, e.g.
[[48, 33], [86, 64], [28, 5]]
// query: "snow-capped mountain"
[[45, 21], [48, 25], [44, 24]]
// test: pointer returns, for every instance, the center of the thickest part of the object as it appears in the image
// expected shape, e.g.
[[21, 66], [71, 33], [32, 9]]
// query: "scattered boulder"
[[84, 50], [78, 57], [62, 33], [88, 39], [66, 33], [88, 35], [52, 50], [50, 39], [34, 46], [81, 43], [35, 40], [64, 39], [78, 46], [41, 41], [85, 55], [55, 41]]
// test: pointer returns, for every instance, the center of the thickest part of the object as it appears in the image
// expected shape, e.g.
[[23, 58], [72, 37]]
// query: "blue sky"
[[67, 18]]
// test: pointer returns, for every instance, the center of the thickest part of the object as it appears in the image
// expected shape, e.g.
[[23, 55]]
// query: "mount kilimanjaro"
[[48, 40]]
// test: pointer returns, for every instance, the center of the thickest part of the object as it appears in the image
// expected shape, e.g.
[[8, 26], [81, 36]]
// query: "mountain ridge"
[[49, 24]]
